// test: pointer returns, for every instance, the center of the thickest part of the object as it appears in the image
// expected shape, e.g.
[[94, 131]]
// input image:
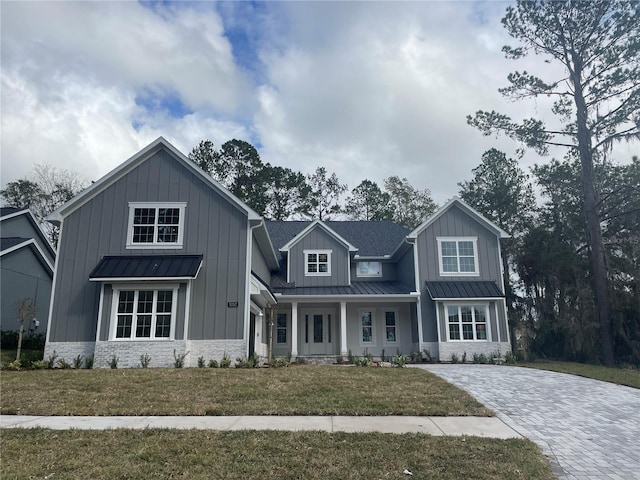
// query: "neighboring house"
[[158, 258], [26, 269]]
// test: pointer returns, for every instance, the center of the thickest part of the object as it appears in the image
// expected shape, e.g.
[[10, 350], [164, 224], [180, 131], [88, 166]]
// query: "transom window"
[[467, 322], [317, 262], [281, 328], [366, 325], [144, 314], [155, 225], [458, 256], [369, 269], [390, 327]]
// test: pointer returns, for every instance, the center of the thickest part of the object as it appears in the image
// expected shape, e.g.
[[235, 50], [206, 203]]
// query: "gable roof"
[[123, 169], [317, 224], [7, 213], [13, 244], [455, 201], [370, 238]]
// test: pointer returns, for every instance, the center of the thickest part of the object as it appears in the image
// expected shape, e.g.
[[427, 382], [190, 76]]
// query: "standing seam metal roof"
[[464, 289], [147, 266]]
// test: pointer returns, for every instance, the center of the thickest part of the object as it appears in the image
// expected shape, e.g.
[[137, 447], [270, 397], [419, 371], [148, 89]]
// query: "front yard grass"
[[197, 454], [628, 377], [296, 390]]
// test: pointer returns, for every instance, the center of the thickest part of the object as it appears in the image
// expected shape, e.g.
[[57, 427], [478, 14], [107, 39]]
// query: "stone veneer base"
[[446, 349]]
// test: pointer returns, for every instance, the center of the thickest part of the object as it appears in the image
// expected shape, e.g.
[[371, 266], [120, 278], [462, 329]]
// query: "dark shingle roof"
[[370, 238], [8, 242], [9, 210], [462, 289], [147, 266], [356, 288]]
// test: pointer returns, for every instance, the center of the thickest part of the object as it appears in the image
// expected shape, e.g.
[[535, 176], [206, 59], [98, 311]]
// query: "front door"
[[318, 333]]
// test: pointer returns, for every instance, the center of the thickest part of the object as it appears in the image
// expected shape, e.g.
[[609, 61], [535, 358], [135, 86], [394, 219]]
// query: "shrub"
[[9, 339], [15, 365], [480, 358], [213, 364], [416, 357], [426, 355], [51, 361], [178, 360], [77, 362], [201, 363], [279, 362], [399, 360], [225, 362], [39, 364], [63, 364], [145, 360], [113, 363], [35, 341], [464, 357], [88, 362], [455, 358], [361, 361]]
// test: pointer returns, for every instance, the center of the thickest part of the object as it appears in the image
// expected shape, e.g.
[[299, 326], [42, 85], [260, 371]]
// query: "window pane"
[[366, 319], [465, 249], [168, 234], [312, 257], [449, 264], [466, 314], [449, 249], [467, 264], [143, 327], [125, 301], [480, 315], [324, 267], [481, 331], [282, 320], [123, 328], [143, 234], [145, 301], [367, 335], [165, 301], [323, 257], [467, 331], [452, 313], [367, 327], [391, 334], [329, 328], [317, 329], [144, 216], [454, 331], [306, 329], [390, 318], [163, 326], [168, 216], [312, 268], [281, 328]]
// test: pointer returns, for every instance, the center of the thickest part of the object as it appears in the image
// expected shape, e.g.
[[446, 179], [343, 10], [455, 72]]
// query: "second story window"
[[458, 256], [317, 263], [155, 225]]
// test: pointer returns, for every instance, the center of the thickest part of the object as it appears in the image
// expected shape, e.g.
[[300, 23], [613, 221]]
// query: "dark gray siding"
[[213, 227], [259, 264], [24, 276], [318, 239], [406, 269], [456, 223], [21, 226]]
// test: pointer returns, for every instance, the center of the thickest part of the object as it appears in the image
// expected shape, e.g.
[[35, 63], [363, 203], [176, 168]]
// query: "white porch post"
[[294, 329], [343, 329], [419, 318]]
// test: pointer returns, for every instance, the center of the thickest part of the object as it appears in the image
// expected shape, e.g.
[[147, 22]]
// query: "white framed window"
[[144, 313], [317, 263], [369, 269], [390, 326], [367, 330], [467, 322], [155, 225], [281, 328], [458, 256]]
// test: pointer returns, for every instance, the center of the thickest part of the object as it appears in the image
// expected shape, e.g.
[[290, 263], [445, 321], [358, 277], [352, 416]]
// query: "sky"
[[365, 89]]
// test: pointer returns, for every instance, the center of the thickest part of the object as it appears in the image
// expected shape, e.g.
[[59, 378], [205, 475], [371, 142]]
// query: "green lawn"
[[628, 377], [296, 390], [196, 454]]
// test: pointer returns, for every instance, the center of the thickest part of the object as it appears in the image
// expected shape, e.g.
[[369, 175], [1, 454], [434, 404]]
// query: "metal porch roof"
[[147, 267], [464, 289]]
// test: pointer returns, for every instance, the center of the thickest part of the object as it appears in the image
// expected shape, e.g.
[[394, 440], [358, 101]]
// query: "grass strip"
[[296, 390], [159, 454], [629, 377]]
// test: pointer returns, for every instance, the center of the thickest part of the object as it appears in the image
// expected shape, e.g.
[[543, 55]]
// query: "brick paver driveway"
[[589, 429]]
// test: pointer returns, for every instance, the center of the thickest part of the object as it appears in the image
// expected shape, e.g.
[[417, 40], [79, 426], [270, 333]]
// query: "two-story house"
[[158, 258]]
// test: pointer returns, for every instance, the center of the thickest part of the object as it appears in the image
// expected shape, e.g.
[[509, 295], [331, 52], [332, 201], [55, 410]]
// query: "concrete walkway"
[[477, 426], [589, 429]]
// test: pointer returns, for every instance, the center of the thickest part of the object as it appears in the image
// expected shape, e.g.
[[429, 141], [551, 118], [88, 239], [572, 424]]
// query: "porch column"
[[294, 329], [419, 318], [344, 351]]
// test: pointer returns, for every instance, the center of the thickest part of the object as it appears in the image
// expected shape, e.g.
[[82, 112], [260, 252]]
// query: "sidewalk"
[[491, 427]]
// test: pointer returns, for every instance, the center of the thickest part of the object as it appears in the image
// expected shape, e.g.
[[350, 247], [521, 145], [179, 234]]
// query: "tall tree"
[[205, 156], [287, 192], [597, 98], [501, 191], [367, 202], [408, 206], [324, 199]]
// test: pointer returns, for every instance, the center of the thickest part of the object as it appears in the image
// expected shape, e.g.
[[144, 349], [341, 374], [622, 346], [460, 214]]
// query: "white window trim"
[[476, 261], [384, 326], [472, 306], [113, 320], [373, 326], [360, 275], [306, 263], [156, 245]]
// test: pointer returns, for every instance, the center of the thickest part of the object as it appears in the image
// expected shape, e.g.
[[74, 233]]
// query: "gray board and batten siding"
[[24, 226], [213, 227], [319, 239]]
